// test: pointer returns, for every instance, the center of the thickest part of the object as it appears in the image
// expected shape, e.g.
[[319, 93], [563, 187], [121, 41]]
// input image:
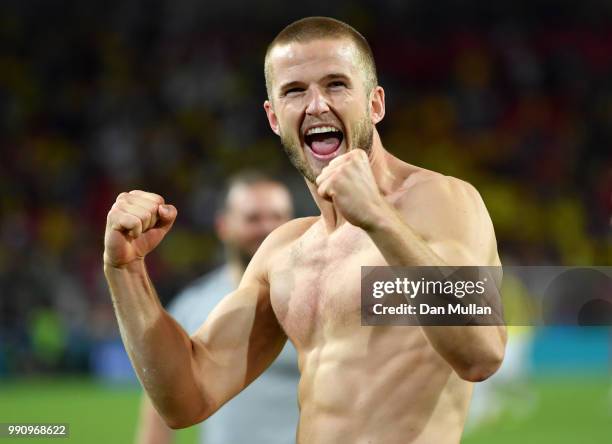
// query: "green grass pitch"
[[569, 411]]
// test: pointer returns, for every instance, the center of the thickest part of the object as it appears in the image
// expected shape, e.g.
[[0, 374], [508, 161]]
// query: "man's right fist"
[[135, 225]]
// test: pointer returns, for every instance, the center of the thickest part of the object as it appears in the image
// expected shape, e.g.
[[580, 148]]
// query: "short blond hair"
[[316, 28]]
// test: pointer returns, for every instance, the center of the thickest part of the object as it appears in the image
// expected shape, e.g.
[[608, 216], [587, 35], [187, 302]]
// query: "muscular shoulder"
[[433, 190], [432, 184], [276, 243], [444, 209], [288, 232]]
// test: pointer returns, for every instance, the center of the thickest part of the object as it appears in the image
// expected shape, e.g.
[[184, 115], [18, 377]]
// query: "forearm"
[[151, 428], [474, 352], [160, 350]]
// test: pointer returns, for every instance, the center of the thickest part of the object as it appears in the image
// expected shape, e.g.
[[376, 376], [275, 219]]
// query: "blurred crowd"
[[102, 97]]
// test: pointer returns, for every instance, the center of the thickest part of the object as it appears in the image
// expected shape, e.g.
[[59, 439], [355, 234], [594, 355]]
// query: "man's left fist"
[[348, 182]]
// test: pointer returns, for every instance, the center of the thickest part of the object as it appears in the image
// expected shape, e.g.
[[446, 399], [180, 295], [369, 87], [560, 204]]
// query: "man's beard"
[[362, 136], [238, 255]]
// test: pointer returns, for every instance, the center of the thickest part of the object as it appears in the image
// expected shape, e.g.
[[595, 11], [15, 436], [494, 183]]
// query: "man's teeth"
[[322, 129]]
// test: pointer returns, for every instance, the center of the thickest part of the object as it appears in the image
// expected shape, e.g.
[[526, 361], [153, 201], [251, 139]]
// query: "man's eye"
[[337, 84], [293, 91]]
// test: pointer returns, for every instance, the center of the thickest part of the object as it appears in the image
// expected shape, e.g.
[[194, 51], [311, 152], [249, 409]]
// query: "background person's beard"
[[237, 255], [362, 136]]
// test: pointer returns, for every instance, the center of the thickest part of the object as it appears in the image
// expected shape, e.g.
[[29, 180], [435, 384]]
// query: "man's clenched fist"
[[348, 181], [136, 224]]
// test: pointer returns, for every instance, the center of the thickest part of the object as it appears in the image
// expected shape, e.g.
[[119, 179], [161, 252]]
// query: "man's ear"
[[272, 120], [377, 104], [221, 227]]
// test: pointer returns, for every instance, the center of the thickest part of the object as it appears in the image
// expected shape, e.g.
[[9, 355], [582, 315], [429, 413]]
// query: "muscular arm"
[[186, 378], [437, 221], [190, 378], [443, 222]]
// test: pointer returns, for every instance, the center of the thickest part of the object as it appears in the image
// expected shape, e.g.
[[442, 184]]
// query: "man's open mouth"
[[323, 141]]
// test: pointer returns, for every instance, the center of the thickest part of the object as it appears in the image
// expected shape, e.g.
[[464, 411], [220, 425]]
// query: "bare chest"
[[315, 286]]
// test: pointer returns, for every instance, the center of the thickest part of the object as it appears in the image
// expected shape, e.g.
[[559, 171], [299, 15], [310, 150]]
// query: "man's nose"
[[317, 103]]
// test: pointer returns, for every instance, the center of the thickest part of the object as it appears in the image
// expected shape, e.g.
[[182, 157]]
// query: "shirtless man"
[[358, 384]]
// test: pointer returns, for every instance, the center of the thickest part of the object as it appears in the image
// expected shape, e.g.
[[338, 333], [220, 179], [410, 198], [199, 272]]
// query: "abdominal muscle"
[[379, 385], [359, 384]]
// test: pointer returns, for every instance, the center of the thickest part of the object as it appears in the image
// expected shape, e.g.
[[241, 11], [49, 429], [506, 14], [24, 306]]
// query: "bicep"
[[458, 227], [241, 337], [239, 340], [477, 240]]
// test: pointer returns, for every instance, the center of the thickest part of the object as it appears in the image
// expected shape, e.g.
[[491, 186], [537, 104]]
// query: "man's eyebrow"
[[328, 77], [289, 85]]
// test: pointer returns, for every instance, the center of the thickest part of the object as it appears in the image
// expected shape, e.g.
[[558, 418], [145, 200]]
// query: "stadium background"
[[101, 97]]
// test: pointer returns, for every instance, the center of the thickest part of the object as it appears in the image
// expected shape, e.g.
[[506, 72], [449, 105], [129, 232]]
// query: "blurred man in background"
[[266, 412]]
